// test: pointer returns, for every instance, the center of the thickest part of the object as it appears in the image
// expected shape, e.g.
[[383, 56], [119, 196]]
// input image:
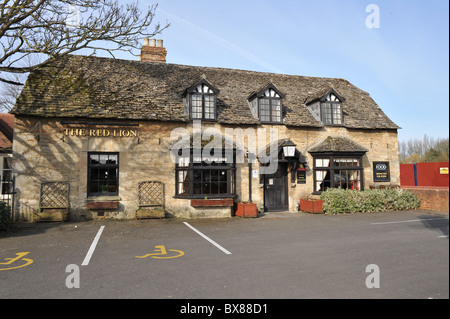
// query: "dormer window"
[[202, 101], [326, 106], [331, 110], [267, 104]]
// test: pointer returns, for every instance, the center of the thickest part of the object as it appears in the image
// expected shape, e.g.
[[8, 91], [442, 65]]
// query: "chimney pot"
[[153, 53], [146, 40]]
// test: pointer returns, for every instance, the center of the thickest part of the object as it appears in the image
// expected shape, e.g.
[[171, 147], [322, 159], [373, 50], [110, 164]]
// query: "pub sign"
[[381, 172]]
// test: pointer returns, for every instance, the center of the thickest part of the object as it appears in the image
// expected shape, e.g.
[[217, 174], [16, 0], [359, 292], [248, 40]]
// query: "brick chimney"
[[152, 52]]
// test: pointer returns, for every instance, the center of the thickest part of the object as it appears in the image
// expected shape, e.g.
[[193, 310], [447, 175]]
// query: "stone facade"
[[49, 149], [75, 109]]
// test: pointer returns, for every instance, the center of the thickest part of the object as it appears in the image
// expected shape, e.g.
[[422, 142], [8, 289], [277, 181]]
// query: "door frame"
[[282, 164]]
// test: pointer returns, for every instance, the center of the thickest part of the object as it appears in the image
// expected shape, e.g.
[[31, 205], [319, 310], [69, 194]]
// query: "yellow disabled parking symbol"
[[19, 260], [162, 253]]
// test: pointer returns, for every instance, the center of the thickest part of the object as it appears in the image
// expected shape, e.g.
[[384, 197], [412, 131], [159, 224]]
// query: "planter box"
[[53, 215], [247, 210], [212, 202], [313, 206], [150, 213], [100, 205]]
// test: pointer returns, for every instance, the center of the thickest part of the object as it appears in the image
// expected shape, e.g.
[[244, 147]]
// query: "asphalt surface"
[[277, 256]]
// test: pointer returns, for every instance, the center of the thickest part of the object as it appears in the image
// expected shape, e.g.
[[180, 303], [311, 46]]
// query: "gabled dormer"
[[201, 101], [267, 105], [326, 106]]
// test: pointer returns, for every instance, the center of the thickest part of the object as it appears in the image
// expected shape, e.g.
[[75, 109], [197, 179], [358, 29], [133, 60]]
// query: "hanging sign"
[[301, 174]]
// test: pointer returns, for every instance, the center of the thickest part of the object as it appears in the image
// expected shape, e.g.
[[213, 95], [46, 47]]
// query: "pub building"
[[108, 138]]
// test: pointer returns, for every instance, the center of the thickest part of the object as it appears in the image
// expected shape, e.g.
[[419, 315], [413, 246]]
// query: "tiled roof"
[[92, 87], [6, 131], [337, 144]]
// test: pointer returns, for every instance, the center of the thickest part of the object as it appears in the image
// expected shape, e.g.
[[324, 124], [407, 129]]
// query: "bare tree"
[[428, 149], [54, 28]]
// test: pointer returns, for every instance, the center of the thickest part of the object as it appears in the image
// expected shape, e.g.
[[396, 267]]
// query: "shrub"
[[5, 216], [338, 201]]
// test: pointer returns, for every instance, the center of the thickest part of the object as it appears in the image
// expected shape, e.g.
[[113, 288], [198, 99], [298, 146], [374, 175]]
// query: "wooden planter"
[[53, 215], [313, 206], [247, 210], [205, 203], [150, 213]]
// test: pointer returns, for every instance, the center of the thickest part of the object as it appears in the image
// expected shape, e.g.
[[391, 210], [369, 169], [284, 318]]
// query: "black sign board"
[[381, 172], [301, 174]]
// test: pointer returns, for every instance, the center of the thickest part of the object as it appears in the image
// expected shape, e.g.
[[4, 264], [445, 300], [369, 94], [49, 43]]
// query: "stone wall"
[[46, 150]]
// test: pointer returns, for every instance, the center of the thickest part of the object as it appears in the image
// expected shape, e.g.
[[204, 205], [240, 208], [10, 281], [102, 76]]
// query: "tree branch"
[[40, 27]]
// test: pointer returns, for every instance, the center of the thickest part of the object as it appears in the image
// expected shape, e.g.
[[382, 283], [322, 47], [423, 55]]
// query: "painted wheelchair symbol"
[[17, 258], [162, 253]]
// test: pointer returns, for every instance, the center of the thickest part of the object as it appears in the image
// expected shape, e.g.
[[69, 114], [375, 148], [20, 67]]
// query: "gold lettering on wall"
[[100, 132]]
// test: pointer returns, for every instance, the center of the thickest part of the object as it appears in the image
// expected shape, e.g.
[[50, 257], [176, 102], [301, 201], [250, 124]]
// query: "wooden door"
[[276, 190]]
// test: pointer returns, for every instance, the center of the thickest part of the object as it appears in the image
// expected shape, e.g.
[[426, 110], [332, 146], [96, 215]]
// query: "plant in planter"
[[311, 205], [104, 188]]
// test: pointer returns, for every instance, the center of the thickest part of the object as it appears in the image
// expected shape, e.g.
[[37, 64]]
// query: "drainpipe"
[[415, 174], [249, 181], [250, 159]]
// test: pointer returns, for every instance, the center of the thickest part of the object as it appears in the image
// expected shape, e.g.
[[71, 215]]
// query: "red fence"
[[424, 174]]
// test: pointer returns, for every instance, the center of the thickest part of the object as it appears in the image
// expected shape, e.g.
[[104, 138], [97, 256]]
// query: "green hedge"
[[5, 216], [338, 201]]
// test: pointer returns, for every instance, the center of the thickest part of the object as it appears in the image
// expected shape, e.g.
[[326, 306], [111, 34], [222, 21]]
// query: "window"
[[268, 104], [202, 101], [212, 177], [338, 172], [331, 110], [103, 174], [6, 176]]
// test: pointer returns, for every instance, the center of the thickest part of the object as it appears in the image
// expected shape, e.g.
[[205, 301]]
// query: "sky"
[[403, 64]]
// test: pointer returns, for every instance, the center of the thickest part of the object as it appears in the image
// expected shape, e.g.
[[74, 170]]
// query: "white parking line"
[[208, 239], [408, 221], [92, 248]]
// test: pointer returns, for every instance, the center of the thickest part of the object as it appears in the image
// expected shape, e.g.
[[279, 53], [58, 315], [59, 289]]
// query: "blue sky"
[[404, 64]]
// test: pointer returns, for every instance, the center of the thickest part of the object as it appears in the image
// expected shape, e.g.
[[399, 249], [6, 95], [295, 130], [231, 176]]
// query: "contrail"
[[225, 43]]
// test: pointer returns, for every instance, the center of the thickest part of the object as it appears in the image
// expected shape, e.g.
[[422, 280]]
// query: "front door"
[[276, 190]]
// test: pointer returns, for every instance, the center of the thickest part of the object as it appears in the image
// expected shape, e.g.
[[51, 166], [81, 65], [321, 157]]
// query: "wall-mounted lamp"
[[289, 149]]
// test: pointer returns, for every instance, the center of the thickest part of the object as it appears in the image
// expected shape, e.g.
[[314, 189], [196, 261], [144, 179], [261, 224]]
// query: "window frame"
[[327, 99], [203, 106], [270, 100], [190, 92], [91, 166], [6, 176], [195, 167], [333, 105], [261, 95], [332, 168]]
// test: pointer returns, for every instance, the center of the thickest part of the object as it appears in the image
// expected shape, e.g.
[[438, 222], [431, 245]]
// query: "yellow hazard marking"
[[162, 253], [19, 256]]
